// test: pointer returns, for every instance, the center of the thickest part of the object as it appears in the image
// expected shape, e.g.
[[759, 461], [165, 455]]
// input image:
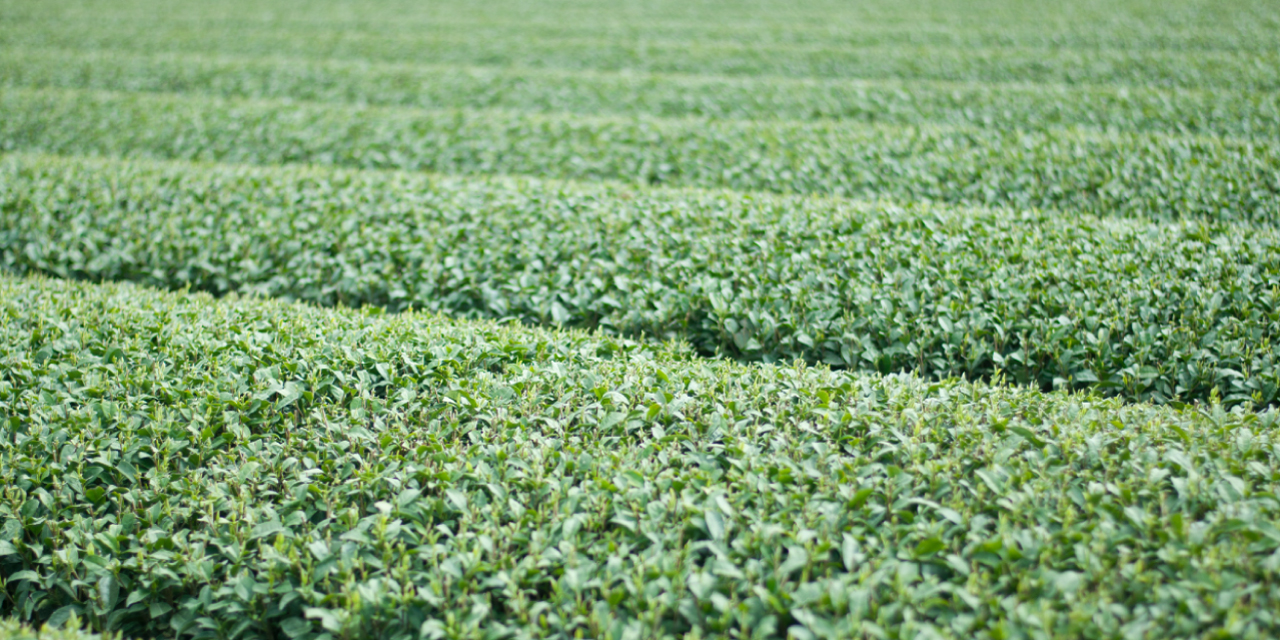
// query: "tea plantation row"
[[1116, 174], [1010, 105], [1218, 67], [1221, 26], [13, 630], [243, 468], [1165, 312]]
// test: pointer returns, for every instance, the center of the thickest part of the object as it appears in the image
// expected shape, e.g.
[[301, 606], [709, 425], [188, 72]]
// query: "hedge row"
[[1257, 70], [1166, 312], [176, 465], [1145, 175], [11, 629], [1247, 26], [1024, 106]]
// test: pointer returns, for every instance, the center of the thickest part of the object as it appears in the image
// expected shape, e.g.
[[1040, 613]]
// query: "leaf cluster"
[[11, 629]]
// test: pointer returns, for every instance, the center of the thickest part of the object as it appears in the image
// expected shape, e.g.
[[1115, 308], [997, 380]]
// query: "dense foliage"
[[1221, 110], [1148, 311], [239, 468], [1188, 28], [568, 319], [1112, 174], [1117, 58], [13, 630]]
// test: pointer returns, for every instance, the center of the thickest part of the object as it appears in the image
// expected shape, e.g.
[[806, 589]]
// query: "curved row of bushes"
[[176, 465], [1255, 69], [1007, 106], [1166, 312], [1122, 175], [1231, 25], [11, 629]]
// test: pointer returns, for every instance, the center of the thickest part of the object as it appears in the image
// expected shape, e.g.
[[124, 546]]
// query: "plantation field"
[[382, 319]]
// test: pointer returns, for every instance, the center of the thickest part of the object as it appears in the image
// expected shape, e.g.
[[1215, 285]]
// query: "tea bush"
[[1158, 176], [1219, 111], [1164, 312], [175, 464], [1218, 63], [13, 630]]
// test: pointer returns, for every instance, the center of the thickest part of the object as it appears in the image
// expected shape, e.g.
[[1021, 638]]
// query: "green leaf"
[[457, 498], [407, 497], [797, 558], [860, 498], [1068, 581], [295, 627], [849, 551], [265, 529], [26, 574], [330, 620], [128, 470], [928, 547], [59, 618], [715, 523], [108, 593], [1028, 435]]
